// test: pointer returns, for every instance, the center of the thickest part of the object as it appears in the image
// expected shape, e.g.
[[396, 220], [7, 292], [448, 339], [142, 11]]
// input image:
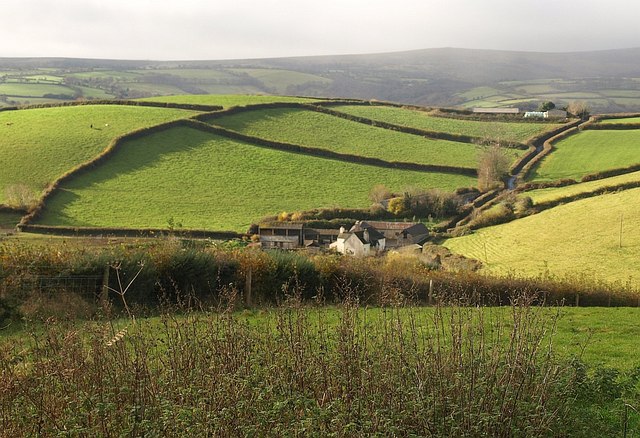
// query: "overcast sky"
[[214, 29]]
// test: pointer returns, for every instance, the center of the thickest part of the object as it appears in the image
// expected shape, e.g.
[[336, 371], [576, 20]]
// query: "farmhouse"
[[359, 243], [363, 239]]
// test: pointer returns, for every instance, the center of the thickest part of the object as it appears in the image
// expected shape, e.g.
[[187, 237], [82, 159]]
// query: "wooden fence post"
[[247, 288], [104, 295], [430, 291]]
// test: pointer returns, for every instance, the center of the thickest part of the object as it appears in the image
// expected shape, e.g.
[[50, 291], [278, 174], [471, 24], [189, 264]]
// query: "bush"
[[498, 214]]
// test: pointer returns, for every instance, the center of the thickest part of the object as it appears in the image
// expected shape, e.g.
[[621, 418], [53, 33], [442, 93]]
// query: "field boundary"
[[117, 102], [324, 153], [129, 232], [438, 135], [321, 107], [538, 207]]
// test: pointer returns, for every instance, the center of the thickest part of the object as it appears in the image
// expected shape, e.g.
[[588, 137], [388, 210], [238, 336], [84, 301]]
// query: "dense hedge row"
[[541, 206], [9, 209], [322, 108], [324, 153], [185, 106], [414, 131], [610, 172], [612, 126], [130, 232], [195, 270]]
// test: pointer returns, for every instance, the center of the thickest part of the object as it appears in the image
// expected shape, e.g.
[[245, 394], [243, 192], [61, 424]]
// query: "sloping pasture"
[[38, 145], [319, 130], [503, 131], [204, 181], [581, 238]]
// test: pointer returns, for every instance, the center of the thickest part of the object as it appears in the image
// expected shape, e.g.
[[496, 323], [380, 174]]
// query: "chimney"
[[366, 236], [342, 230]]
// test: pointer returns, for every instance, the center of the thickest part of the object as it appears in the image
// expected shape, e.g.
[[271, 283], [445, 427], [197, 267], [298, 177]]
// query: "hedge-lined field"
[[589, 152], [38, 145], [578, 238], [208, 182], [310, 128], [504, 131], [227, 100], [555, 193]]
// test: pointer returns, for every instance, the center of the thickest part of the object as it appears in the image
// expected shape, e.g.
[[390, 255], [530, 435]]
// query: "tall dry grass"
[[295, 370]]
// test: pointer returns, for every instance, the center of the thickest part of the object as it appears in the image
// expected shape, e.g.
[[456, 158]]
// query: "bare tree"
[[579, 108], [493, 165]]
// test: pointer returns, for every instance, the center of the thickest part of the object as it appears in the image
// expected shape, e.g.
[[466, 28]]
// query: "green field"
[[504, 131], [281, 80], [38, 145], [310, 128], [228, 100], [580, 238], [588, 152], [201, 74], [555, 193], [205, 181], [624, 120], [34, 90]]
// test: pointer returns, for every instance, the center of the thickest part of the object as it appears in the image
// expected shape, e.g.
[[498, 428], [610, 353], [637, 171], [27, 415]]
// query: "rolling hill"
[[607, 79]]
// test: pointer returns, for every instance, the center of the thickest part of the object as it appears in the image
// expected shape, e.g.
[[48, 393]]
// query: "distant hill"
[[609, 80]]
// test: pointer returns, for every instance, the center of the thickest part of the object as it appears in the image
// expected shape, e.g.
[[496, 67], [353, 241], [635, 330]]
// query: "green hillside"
[[587, 152], [38, 145], [209, 182], [504, 131], [580, 238], [227, 100], [310, 128]]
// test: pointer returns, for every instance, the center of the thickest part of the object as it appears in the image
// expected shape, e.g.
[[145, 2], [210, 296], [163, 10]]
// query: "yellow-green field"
[[555, 193], [578, 238]]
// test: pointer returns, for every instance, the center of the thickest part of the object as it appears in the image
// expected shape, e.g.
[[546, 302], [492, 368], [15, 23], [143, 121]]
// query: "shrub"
[[20, 196], [498, 214]]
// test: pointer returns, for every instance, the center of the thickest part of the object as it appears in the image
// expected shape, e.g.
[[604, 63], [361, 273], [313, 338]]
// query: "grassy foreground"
[[579, 238], [186, 175], [445, 371], [38, 145]]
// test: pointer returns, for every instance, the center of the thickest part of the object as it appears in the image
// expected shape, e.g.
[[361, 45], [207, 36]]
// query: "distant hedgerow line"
[[184, 106]]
